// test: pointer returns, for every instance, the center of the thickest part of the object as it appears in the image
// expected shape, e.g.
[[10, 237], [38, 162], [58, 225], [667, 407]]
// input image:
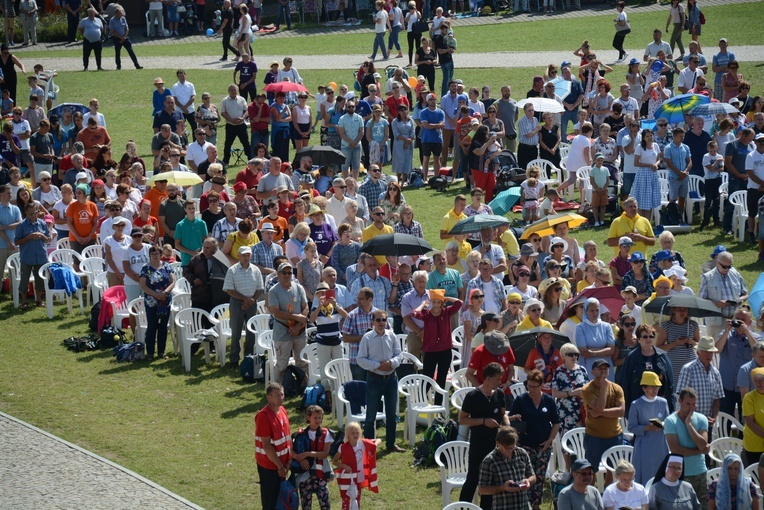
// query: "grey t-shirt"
[[571, 499], [282, 297], [43, 144], [270, 181], [156, 141], [173, 212], [507, 112]]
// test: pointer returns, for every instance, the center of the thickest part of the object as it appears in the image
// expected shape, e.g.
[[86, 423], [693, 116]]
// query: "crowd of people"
[[288, 234]]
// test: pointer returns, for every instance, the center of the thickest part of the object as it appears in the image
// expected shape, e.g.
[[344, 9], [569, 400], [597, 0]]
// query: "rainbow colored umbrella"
[[673, 109]]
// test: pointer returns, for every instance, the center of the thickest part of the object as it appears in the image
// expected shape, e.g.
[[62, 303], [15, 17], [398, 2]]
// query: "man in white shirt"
[[579, 156], [630, 105], [234, 111], [689, 75], [196, 152], [185, 93], [754, 167], [657, 45], [629, 143]]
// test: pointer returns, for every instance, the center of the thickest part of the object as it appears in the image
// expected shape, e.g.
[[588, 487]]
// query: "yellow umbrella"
[[177, 177], [545, 226]]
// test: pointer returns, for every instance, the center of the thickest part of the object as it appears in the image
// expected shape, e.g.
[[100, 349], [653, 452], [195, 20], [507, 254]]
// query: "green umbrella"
[[477, 223]]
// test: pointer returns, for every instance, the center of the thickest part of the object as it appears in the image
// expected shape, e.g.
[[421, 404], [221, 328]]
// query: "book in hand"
[[656, 422]]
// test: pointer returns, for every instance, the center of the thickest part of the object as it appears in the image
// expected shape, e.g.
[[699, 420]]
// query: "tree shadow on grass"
[[95, 355]]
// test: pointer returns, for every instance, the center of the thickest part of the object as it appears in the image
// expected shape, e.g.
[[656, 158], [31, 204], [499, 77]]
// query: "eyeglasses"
[[662, 125], [557, 289], [573, 354], [378, 214], [554, 266], [558, 246], [174, 155], [515, 302], [526, 275], [341, 187], [330, 93], [606, 282], [637, 261], [533, 386], [380, 320], [629, 324], [723, 266], [642, 337], [534, 310], [478, 296], [286, 272]]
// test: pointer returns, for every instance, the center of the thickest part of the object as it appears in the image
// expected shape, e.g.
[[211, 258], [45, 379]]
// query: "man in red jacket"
[[272, 442]]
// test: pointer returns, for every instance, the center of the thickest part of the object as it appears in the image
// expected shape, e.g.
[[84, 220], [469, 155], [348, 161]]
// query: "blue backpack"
[[314, 396], [288, 499], [129, 352]]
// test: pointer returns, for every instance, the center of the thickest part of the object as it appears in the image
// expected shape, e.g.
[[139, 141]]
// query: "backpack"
[[314, 396], [5, 178], [671, 215], [252, 368], [433, 438], [94, 313], [129, 352], [85, 343], [288, 498], [294, 382], [760, 227], [438, 183], [339, 438], [111, 337], [416, 180], [451, 428]]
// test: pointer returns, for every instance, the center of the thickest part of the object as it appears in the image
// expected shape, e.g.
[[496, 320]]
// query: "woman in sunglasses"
[[567, 382], [551, 292], [625, 341], [644, 358]]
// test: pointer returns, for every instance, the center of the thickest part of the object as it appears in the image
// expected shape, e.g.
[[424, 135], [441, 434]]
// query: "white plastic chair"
[[582, 176], [461, 505], [664, 186], [92, 251], [419, 391], [137, 309], [13, 264], [724, 424], [693, 183], [177, 270], [402, 342], [457, 398], [179, 302], [453, 460], [182, 285], [261, 308], [724, 445], [649, 484], [739, 200], [615, 454], [361, 416], [518, 389], [753, 472], [547, 169], [564, 150], [99, 286], [66, 256], [63, 244], [457, 338], [44, 273], [573, 442], [257, 325], [337, 373], [188, 322], [459, 380], [265, 342], [222, 314], [92, 267], [309, 354], [662, 174], [713, 474], [119, 312]]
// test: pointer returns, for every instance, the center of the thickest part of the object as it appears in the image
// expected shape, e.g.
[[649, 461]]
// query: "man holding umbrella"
[[377, 228]]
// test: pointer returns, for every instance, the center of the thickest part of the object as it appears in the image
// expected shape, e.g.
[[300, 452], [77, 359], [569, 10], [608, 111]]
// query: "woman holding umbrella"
[[649, 440], [594, 337], [646, 357], [678, 336]]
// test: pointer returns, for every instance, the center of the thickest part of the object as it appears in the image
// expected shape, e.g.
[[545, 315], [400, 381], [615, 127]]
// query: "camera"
[[736, 323]]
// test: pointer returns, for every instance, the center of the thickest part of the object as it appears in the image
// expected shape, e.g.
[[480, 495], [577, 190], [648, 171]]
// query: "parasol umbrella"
[[674, 108], [545, 226], [477, 223], [542, 104], [71, 107], [609, 297], [322, 155], [709, 109], [561, 87], [756, 297], [285, 86], [696, 307], [503, 202], [397, 245], [178, 177], [523, 342]]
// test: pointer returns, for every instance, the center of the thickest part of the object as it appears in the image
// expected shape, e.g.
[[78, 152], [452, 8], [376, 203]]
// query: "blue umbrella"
[[756, 297], [561, 87], [504, 201], [674, 108], [708, 109]]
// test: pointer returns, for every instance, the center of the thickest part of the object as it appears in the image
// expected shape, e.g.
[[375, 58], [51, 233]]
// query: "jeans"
[[393, 41], [239, 320], [359, 374], [258, 137], [448, 75], [567, 116], [516, 7], [284, 9], [379, 42], [87, 48], [376, 389], [352, 158], [156, 331], [729, 210], [118, 50]]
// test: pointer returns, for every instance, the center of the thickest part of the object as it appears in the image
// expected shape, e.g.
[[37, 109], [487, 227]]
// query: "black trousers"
[[476, 456], [71, 29], [191, 120], [87, 48], [618, 39], [250, 92], [441, 361], [227, 44], [118, 51], [231, 133], [270, 482], [415, 40]]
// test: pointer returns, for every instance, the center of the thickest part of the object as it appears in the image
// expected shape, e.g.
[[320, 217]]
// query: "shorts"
[[599, 198], [752, 200], [679, 189], [42, 167], [132, 292], [172, 14], [25, 156], [243, 38], [627, 181], [531, 204], [431, 148]]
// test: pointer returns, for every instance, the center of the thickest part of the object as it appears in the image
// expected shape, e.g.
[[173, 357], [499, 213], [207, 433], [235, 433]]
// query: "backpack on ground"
[[434, 437], [671, 214], [294, 381], [130, 352], [451, 428], [111, 337], [416, 180], [252, 368], [94, 313], [85, 343], [314, 396], [438, 183], [288, 498]]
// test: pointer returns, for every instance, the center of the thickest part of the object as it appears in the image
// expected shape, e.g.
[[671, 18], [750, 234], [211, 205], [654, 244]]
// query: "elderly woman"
[[244, 236], [567, 382], [544, 358], [624, 493], [649, 441], [295, 246], [246, 205], [46, 193], [533, 309], [550, 140], [392, 204], [356, 224], [594, 337], [678, 336], [207, 118], [753, 418], [345, 253], [605, 145], [669, 491], [352, 193], [157, 281], [646, 358], [666, 240], [539, 413], [551, 292], [733, 490]]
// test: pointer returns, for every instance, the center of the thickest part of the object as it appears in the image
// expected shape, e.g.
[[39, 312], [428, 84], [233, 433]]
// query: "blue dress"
[[596, 336], [402, 156], [650, 448]]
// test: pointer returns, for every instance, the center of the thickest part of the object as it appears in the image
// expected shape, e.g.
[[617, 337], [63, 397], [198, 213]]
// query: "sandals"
[[25, 306]]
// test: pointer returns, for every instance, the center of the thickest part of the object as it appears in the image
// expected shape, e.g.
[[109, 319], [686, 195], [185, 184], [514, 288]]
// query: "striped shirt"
[[680, 355], [708, 384], [246, 282], [526, 126], [263, 254]]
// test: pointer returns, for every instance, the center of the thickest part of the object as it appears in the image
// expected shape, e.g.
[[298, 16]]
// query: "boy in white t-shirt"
[[547, 205], [713, 166], [598, 177]]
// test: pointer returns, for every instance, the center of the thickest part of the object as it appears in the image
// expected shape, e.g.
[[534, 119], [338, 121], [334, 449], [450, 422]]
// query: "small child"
[[598, 178], [547, 205], [310, 451], [451, 40], [629, 295], [420, 84], [149, 234], [168, 255], [6, 107], [50, 222], [713, 166], [583, 116], [351, 477], [532, 189]]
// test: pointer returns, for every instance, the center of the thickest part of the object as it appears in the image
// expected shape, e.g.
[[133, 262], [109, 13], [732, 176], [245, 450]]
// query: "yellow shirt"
[[624, 225], [448, 222], [237, 242], [601, 427], [527, 324], [753, 405], [371, 232], [651, 319], [464, 249], [510, 246]]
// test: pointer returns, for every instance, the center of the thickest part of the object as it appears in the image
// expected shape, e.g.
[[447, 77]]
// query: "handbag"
[[420, 27], [686, 23]]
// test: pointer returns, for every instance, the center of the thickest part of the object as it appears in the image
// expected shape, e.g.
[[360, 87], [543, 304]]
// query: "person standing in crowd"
[[31, 236], [244, 283], [288, 304], [507, 472], [91, 29], [736, 346], [272, 445], [184, 93], [156, 281], [72, 8], [234, 111], [649, 440], [120, 33], [725, 287], [226, 29]]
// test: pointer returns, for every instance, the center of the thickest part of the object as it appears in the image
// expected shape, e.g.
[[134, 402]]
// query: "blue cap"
[[717, 250], [663, 255], [657, 66], [633, 61], [637, 255], [565, 63], [462, 97]]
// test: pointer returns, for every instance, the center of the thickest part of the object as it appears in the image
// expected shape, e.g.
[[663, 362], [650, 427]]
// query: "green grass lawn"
[[193, 433]]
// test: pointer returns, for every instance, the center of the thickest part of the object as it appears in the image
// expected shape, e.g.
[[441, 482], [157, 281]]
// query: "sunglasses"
[[534, 310], [555, 266], [557, 289], [723, 266], [378, 214], [646, 336], [573, 354], [380, 320], [527, 275], [478, 296], [515, 302], [286, 272], [637, 261], [341, 187], [629, 324]]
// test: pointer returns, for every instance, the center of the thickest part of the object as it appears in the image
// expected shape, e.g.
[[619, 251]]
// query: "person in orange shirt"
[[82, 217], [92, 137], [279, 223], [156, 196]]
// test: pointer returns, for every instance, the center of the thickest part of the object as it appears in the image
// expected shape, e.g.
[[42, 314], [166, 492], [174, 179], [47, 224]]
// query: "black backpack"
[[434, 437], [252, 368], [671, 214], [95, 312], [438, 183], [295, 381], [111, 337]]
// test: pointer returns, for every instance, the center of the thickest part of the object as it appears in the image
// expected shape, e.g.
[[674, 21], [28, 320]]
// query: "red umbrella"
[[285, 86], [609, 297]]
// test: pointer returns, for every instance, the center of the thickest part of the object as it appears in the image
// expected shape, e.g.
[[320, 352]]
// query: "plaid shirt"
[[718, 287], [263, 255], [371, 191], [222, 228], [403, 289], [415, 229], [708, 384], [499, 293], [380, 285], [496, 469], [357, 322]]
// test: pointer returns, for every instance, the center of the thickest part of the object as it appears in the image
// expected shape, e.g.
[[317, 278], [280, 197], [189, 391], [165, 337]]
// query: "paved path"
[[39, 471]]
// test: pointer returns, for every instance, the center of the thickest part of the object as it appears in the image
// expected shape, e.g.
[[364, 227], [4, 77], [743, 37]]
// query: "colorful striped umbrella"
[[673, 109]]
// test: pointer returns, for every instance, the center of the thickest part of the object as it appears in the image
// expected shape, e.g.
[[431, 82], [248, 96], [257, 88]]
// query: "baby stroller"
[[509, 173]]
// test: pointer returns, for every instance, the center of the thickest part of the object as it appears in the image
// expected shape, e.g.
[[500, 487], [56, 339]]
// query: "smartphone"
[[523, 485], [331, 294]]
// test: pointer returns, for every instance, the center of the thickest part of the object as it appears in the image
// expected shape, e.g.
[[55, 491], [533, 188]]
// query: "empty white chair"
[[615, 454], [724, 445], [179, 302], [458, 380], [739, 200], [137, 309], [753, 472], [402, 342], [457, 338], [177, 269], [63, 244], [182, 285], [461, 505], [92, 251], [100, 284], [453, 460], [582, 176], [337, 373], [573, 442], [310, 355], [724, 425], [92, 267], [420, 391], [265, 343], [693, 183], [256, 325], [713, 474], [550, 174], [189, 322], [13, 264], [222, 314], [44, 273], [348, 414]]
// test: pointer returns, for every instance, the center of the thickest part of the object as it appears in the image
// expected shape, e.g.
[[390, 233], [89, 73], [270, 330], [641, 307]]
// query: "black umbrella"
[[696, 307], [322, 155], [524, 342], [397, 245]]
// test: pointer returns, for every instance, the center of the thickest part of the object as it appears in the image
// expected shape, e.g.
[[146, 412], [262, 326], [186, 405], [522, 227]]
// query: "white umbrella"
[[542, 104]]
